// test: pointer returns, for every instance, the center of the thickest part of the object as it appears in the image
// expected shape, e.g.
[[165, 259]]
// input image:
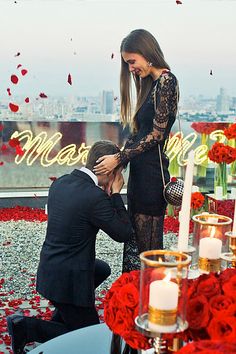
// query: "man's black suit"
[[77, 209], [68, 272]]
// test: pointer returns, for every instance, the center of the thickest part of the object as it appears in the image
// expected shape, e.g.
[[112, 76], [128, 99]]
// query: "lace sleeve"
[[166, 104]]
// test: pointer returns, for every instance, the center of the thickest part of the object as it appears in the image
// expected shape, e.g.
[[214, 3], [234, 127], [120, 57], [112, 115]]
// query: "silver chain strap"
[[159, 149]]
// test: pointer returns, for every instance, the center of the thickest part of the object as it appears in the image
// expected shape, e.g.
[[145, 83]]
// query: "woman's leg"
[[148, 232]]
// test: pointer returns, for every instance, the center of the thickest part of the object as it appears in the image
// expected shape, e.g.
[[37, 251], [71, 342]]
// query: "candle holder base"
[[159, 345]]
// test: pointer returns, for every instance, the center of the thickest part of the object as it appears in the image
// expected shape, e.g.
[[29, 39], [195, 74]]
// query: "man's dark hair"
[[99, 149]]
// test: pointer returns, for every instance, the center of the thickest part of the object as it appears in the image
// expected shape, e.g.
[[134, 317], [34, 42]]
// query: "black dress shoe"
[[17, 330]]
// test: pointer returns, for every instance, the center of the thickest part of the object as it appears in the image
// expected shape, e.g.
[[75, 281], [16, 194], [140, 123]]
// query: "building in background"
[[108, 102]]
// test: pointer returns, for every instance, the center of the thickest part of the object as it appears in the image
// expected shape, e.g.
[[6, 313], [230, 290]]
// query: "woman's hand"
[[106, 164]]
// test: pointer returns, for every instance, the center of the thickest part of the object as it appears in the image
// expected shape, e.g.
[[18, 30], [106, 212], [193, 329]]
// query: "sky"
[[58, 37]]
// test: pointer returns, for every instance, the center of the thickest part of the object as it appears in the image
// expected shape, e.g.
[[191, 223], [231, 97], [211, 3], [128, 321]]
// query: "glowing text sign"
[[41, 147]]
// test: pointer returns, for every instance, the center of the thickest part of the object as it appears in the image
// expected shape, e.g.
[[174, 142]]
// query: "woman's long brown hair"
[[140, 42]]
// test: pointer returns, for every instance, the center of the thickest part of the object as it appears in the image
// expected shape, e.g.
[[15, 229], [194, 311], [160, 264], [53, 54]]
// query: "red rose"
[[197, 200], [227, 274], [224, 329], [123, 321], [128, 295], [208, 285], [198, 312], [136, 340], [209, 347], [219, 304], [229, 287]]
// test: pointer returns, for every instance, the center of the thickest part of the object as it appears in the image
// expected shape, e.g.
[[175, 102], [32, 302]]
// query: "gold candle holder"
[[210, 233], [230, 256], [207, 265], [163, 294], [162, 317]]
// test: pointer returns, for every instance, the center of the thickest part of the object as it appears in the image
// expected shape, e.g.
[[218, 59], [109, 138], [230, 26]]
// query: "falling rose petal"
[[13, 107], [1, 163], [42, 95], [9, 91], [19, 150], [13, 142], [14, 79], [115, 98], [69, 79], [53, 178], [112, 55], [1, 127], [27, 100], [24, 72], [4, 147], [18, 66], [211, 72], [17, 54], [178, 2]]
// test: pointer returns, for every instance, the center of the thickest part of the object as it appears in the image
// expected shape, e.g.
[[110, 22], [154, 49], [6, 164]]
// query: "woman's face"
[[138, 65]]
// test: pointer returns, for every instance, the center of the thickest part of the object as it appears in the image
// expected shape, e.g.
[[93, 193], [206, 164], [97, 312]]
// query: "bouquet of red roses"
[[211, 307], [220, 153], [121, 309], [230, 132], [197, 200]]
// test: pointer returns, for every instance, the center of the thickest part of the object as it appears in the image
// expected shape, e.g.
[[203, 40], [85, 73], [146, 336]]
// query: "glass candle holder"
[[230, 257], [210, 240], [163, 293]]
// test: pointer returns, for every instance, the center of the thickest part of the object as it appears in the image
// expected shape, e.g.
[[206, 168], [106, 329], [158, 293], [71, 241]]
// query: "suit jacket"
[[77, 209]]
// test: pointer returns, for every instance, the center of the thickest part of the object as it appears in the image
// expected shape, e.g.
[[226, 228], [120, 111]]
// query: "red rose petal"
[[1, 127], [112, 55], [24, 72], [1, 163], [9, 91], [14, 79], [42, 95], [19, 150], [4, 147], [178, 2], [17, 54], [18, 66], [27, 100], [211, 72], [69, 79], [14, 142], [52, 178], [13, 107]]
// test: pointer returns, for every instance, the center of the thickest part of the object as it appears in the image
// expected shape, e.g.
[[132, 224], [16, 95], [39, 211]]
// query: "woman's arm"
[[167, 99]]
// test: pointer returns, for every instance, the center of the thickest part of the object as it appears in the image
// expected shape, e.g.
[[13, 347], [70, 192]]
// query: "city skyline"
[[56, 37]]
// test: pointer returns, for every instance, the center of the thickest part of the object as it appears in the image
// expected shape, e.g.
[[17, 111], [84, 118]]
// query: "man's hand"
[[118, 182]]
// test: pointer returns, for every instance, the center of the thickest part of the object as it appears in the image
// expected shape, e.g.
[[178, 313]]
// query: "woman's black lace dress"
[[146, 204]]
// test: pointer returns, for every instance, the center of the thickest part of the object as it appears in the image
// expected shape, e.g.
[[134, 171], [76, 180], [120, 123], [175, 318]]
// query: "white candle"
[[163, 296], [234, 222], [195, 189], [210, 247], [233, 193], [46, 209], [186, 205], [218, 192]]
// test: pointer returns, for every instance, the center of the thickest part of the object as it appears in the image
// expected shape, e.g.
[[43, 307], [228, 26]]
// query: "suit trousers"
[[66, 317]]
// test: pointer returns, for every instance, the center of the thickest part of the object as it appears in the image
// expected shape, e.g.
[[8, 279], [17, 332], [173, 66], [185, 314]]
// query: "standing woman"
[[143, 60]]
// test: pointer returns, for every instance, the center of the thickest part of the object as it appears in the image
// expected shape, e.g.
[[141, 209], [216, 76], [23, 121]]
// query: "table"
[[88, 340]]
